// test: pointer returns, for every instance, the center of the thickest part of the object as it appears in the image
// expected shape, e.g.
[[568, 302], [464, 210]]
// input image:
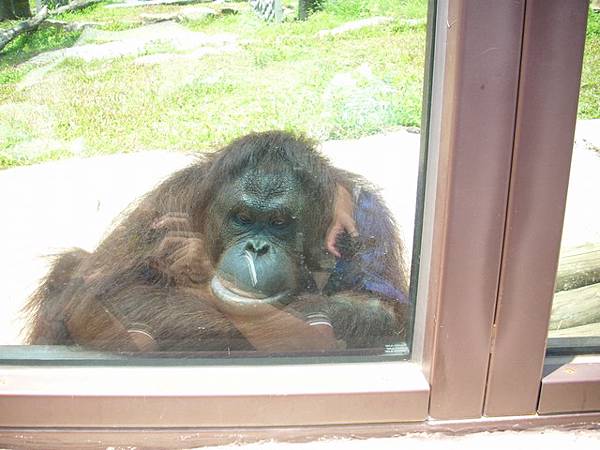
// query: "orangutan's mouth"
[[228, 292]]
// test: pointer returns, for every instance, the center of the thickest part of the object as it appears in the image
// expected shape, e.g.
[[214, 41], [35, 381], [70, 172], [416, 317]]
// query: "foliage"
[[589, 96], [284, 77], [27, 45]]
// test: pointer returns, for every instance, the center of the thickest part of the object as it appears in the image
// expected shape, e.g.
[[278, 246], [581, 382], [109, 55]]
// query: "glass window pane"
[[575, 320], [217, 180]]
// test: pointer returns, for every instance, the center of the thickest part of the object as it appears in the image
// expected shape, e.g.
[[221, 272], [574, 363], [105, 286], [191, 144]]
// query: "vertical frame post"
[[475, 136], [554, 36]]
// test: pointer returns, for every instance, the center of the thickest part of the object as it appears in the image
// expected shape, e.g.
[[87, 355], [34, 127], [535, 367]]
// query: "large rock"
[[142, 3], [96, 44]]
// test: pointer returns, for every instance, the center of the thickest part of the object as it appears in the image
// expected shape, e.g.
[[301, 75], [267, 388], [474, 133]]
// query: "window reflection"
[[261, 246], [281, 242]]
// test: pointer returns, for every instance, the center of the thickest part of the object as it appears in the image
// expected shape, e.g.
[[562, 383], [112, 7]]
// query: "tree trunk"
[[14, 9], [587, 330], [306, 7], [73, 6], [270, 10], [578, 267], [576, 307], [28, 25], [8, 35]]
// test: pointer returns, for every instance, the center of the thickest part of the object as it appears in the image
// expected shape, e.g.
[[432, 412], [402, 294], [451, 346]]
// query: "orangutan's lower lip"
[[227, 292], [232, 287]]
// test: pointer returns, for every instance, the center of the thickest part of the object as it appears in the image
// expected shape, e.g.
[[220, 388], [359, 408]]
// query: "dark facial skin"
[[259, 233]]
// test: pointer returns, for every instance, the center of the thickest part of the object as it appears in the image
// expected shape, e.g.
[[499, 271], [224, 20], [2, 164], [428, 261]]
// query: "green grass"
[[350, 9], [284, 77], [589, 96], [27, 45]]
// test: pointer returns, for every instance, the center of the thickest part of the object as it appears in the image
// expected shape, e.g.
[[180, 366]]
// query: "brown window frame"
[[498, 154], [551, 59]]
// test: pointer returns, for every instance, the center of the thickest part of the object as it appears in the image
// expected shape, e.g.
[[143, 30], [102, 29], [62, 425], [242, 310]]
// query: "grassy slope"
[[281, 79], [589, 97]]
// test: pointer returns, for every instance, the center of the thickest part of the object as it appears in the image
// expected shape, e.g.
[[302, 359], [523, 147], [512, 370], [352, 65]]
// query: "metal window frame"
[[552, 54], [475, 145], [233, 395]]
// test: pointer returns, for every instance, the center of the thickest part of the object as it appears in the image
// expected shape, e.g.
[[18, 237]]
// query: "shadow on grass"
[[30, 44]]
